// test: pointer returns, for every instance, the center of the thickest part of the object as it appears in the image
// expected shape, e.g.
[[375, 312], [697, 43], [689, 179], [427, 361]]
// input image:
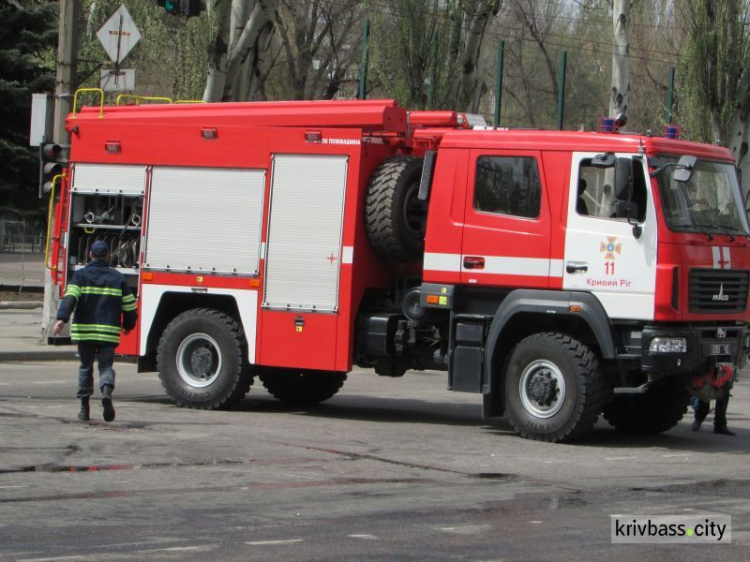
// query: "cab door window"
[[596, 197], [508, 185]]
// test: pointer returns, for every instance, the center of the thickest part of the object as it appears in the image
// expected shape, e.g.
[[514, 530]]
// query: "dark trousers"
[[88, 352], [720, 413]]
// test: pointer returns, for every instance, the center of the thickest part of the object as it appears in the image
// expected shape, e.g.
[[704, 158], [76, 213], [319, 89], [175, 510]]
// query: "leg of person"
[[85, 378], [700, 414], [720, 415], [107, 379]]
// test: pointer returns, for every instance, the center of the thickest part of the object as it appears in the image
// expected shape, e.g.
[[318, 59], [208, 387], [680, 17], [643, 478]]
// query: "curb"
[[20, 305], [25, 356]]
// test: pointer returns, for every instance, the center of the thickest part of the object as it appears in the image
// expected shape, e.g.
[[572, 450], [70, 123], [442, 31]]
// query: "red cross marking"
[[331, 258], [722, 262]]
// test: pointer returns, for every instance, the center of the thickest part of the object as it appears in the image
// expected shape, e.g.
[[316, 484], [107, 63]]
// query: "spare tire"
[[395, 218]]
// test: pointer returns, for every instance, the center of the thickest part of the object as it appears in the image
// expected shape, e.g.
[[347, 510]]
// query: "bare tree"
[[321, 41], [716, 60]]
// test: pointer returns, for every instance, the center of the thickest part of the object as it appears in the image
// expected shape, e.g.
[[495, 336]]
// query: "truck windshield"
[[710, 202]]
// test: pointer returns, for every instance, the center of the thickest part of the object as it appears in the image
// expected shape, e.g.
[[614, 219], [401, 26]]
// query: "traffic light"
[[172, 7], [51, 165], [187, 8]]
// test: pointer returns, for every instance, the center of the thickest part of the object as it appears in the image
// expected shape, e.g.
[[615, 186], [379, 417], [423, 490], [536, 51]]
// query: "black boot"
[[85, 411], [109, 409]]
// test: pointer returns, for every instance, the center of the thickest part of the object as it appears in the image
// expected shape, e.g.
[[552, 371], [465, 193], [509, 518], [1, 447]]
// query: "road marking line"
[[465, 529], [179, 548], [536, 522], [50, 382], [619, 458], [272, 543], [680, 455], [366, 537], [5, 487], [55, 559]]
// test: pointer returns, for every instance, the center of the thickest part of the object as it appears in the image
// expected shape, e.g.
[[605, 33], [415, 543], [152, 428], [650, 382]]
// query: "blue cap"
[[99, 249]]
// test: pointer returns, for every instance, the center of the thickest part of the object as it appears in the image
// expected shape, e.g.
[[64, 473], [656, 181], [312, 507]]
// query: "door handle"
[[473, 262], [576, 267]]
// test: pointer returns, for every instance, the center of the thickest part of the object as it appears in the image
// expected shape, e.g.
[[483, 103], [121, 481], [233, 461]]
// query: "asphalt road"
[[390, 469]]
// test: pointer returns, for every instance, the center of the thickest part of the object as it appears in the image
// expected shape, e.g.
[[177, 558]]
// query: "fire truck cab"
[[559, 274]]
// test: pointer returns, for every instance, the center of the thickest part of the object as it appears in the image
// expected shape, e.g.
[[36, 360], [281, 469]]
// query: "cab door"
[[506, 239], [612, 257]]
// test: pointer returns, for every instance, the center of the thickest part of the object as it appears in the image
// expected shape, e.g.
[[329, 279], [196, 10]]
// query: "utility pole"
[[619, 94], [65, 85]]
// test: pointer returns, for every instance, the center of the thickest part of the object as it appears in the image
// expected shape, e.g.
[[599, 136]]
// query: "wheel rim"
[[414, 214], [199, 360], [542, 389]]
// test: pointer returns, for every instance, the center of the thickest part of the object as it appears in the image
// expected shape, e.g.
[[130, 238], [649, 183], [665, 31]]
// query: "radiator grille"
[[718, 290]]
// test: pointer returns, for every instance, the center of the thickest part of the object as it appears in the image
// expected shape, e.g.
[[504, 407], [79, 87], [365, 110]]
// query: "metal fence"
[[20, 236]]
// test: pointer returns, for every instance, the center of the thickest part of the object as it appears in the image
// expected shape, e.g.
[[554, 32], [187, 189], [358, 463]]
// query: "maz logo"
[[721, 296]]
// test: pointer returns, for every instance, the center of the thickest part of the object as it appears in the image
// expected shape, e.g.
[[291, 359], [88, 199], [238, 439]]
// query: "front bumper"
[[706, 346]]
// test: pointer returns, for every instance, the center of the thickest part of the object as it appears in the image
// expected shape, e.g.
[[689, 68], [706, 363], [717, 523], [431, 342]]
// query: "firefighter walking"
[[104, 305]]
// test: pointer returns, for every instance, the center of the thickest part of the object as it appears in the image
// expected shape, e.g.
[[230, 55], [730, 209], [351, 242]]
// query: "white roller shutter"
[[109, 179], [303, 256], [205, 219]]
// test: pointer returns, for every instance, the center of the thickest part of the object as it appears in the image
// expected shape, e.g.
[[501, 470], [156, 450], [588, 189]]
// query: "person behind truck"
[[103, 305], [702, 409]]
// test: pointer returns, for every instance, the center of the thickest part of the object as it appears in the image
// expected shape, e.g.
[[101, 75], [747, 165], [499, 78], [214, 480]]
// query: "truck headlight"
[[668, 345]]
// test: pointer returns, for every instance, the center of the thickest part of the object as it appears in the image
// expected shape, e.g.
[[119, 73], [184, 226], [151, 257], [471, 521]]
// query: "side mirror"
[[684, 168], [623, 179]]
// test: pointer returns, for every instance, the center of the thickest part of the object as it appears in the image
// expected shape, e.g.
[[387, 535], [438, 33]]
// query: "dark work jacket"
[[103, 304]]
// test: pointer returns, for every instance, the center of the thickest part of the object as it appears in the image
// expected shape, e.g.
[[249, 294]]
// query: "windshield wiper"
[[699, 228], [726, 231], [732, 232]]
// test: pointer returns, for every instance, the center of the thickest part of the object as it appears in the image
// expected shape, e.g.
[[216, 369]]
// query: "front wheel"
[[553, 388], [201, 360]]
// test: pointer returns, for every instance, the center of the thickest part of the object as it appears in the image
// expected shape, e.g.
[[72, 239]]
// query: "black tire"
[[657, 411], [301, 388], [395, 218], [553, 388], [201, 362]]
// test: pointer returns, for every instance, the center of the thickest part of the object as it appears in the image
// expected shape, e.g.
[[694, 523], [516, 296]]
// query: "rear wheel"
[[201, 360], [302, 388], [553, 388], [395, 218], [657, 411]]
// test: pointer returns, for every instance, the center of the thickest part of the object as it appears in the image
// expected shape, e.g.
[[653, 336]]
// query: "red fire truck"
[[560, 274]]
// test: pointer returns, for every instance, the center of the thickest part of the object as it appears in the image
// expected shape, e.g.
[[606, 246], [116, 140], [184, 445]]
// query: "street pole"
[[65, 85], [499, 82], [363, 62], [561, 72]]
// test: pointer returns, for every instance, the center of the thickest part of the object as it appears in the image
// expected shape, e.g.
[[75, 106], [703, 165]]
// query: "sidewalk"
[[21, 338]]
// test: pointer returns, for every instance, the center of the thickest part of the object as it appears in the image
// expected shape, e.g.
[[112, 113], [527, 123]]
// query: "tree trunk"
[[470, 85], [618, 100], [243, 33]]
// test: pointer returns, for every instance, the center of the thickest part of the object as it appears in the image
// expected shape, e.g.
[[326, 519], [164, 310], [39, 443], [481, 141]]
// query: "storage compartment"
[[99, 211]]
